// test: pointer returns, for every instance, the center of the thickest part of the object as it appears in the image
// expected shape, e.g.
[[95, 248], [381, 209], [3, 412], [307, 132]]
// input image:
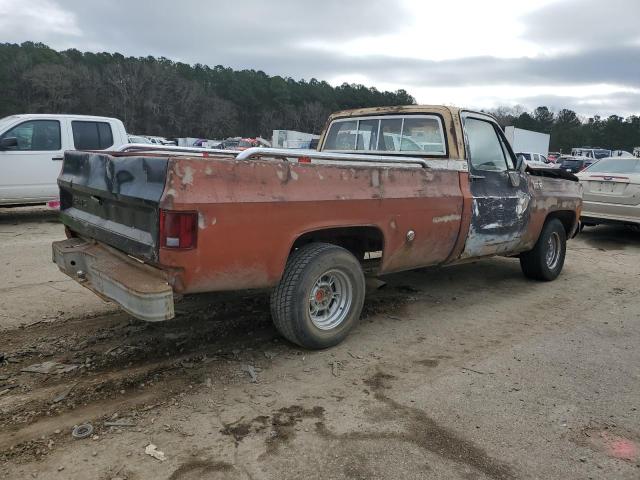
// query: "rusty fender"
[[252, 212], [549, 197]]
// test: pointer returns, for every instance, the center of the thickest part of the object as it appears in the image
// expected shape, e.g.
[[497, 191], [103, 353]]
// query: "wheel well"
[[567, 218], [358, 240]]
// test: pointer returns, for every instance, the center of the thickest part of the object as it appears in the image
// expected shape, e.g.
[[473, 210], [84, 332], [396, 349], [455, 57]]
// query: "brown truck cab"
[[389, 189]]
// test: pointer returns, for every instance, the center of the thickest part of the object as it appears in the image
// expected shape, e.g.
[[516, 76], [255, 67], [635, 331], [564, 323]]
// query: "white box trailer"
[[292, 139], [527, 141]]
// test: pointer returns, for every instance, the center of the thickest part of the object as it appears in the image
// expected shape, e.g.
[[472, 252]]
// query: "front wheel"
[[545, 261], [320, 296]]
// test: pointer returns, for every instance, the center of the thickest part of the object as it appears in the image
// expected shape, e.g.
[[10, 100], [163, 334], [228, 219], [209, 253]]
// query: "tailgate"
[[113, 199]]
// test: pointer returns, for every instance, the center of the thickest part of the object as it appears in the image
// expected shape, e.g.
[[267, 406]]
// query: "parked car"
[[611, 192], [533, 157], [138, 139], [32, 146], [160, 140], [594, 153], [622, 154], [229, 144], [575, 164], [553, 157], [535, 160], [253, 219]]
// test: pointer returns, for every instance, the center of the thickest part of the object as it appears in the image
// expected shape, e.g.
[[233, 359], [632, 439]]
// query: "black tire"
[[291, 299], [535, 263]]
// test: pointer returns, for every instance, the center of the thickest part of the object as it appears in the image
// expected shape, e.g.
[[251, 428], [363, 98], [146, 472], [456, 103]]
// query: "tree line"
[[567, 130], [156, 96]]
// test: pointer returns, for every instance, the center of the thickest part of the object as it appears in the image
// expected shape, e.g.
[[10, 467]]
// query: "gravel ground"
[[468, 372]]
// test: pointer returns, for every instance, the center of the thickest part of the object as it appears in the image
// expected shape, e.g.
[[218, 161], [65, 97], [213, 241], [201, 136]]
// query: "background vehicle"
[[594, 153], [138, 139], [534, 158], [553, 157], [527, 140], [452, 192], [575, 164], [622, 154], [160, 140], [229, 144], [32, 146], [611, 192]]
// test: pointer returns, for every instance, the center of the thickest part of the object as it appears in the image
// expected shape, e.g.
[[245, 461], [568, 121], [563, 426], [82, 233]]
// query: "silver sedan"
[[611, 192]]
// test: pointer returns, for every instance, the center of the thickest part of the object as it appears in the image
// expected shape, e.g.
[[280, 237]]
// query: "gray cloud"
[[582, 24], [595, 42], [217, 32]]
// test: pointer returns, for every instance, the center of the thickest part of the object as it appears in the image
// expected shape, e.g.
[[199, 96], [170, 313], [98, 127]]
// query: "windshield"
[[571, 161], [6, 121], [601, 153], [615, 165]]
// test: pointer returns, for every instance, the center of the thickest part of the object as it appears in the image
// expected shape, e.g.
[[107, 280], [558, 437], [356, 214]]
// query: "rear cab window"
[[35, 135], [90, 135], [399, 134]]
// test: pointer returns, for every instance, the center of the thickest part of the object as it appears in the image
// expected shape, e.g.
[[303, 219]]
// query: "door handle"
[[477, 177], [56, 159]]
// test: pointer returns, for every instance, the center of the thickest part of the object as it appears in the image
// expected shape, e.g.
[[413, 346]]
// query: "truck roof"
[[61, 115], [399, 109]]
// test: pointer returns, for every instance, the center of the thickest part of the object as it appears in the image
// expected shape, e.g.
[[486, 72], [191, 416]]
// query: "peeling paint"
[[375, 178], [202, 221], [187, 176], [294, 175], [446, 218]]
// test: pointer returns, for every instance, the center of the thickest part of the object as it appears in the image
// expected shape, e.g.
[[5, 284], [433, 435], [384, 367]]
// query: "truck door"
[[501, 198], [29, 168]]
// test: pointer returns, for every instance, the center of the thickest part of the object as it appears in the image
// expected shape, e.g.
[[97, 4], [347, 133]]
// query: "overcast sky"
[[580, 54]]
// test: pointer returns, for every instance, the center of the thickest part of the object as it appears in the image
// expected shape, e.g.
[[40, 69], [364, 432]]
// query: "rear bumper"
[[612, 212], [138, 288]]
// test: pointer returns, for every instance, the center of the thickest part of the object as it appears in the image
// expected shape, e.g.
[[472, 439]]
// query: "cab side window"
[[35, 135], [485, 149], [91, 135]]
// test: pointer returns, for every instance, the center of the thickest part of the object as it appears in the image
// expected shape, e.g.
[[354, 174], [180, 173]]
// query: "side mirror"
[[7, 143], [521, 165]]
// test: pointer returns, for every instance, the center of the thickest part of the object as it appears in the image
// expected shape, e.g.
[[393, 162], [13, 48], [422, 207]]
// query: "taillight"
[[178, 230]]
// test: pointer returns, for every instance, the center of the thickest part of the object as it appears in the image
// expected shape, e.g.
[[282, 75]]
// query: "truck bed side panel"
[[251, 213]]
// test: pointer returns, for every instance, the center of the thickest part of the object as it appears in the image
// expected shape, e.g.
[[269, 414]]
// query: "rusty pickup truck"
[[389, 189]]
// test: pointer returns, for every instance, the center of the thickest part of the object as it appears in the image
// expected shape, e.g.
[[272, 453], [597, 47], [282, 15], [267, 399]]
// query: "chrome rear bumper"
[[138, 288]]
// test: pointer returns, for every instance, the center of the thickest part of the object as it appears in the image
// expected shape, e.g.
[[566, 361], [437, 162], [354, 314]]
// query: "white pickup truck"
[[32, 148]]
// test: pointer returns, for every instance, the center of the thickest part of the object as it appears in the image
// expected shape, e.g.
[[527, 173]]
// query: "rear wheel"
[[546, 259], [320, 296]]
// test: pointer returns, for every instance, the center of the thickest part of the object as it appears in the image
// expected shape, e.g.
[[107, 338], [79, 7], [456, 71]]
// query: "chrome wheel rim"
[[553, 250], [330, 299]]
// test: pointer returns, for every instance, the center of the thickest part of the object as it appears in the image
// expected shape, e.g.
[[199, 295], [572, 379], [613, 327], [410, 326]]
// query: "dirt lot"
[[468, 372]]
